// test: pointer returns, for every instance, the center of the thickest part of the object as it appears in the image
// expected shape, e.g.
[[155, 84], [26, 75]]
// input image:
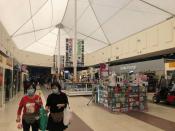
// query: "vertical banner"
[[69, 52], [54, 62], [61, 62], [80, 53]]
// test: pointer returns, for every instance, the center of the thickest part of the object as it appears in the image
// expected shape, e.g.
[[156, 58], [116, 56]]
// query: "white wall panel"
[[152, 38], [133, 45], [115, 51], [125, 48], [165, 34], [142, 41], [173, 30]]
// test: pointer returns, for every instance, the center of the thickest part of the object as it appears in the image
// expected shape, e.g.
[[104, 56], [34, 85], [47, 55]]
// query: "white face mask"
[[30, 92], [55, 90]]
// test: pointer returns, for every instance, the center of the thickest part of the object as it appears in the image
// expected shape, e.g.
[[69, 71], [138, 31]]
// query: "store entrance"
[[152, 81], [8, 84]]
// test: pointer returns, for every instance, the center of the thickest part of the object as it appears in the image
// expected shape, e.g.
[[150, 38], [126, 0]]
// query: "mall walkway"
[[77, 124], [92, 117], [8, 117]]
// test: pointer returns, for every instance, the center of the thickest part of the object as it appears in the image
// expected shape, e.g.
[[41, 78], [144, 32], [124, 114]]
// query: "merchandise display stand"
[[78, 89], [123, 99]]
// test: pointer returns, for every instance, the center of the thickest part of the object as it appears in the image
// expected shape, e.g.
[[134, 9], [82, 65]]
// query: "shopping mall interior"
[[113, 59]]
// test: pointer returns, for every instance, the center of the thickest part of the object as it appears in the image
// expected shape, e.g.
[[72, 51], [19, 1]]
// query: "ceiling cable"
[[117, 12], [37, 40], [157, 7], [87, 36], [99, 22], [37, 30], [65, 11], [32, 19], [29, 19], [51, 12]]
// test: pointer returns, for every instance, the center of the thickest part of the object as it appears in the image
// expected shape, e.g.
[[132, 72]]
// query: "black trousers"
[[26, 126]]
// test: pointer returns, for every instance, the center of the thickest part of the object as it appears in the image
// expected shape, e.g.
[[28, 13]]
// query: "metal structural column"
[[75, 43]]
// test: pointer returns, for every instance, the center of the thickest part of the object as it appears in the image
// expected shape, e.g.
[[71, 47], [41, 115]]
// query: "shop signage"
[[172, 64], [128, 67]]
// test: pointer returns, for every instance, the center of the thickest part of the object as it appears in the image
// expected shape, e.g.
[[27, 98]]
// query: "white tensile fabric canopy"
[[32, 23]]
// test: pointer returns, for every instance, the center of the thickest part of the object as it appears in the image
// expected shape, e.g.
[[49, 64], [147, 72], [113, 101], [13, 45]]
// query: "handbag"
[[67, 116], [30, 118], [57, 117]]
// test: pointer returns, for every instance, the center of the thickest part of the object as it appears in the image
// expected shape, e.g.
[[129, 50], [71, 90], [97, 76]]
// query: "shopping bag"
[[43, 119], [67, 116]]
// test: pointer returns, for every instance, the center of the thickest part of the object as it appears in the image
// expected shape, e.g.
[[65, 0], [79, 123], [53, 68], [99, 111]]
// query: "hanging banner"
[[61, 62], [54, 61], [80, 53], [69, 53]]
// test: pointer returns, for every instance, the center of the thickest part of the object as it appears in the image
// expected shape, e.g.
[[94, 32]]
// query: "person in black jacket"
[[56, 102]]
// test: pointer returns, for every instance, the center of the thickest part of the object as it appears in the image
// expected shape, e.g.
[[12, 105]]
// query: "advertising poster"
[[80, 53], [69, 53]]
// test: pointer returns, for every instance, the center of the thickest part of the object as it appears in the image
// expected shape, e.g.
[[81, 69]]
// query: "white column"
[[75, 43], [58, 55]]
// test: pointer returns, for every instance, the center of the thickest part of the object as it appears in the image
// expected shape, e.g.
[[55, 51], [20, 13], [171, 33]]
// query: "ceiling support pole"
[[75, 42]]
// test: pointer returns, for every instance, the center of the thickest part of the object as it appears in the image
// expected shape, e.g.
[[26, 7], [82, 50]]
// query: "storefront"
[[170, 70], [24, 75], [1, 81], [16, 77], [153, 69], [8, 79]]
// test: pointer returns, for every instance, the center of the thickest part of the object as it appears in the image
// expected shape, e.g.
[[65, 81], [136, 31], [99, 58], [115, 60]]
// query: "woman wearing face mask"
[[56, 102], [30, 104]]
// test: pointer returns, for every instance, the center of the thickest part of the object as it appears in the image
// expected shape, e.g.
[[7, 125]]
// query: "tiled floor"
[[97, 118], [101, 120]]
